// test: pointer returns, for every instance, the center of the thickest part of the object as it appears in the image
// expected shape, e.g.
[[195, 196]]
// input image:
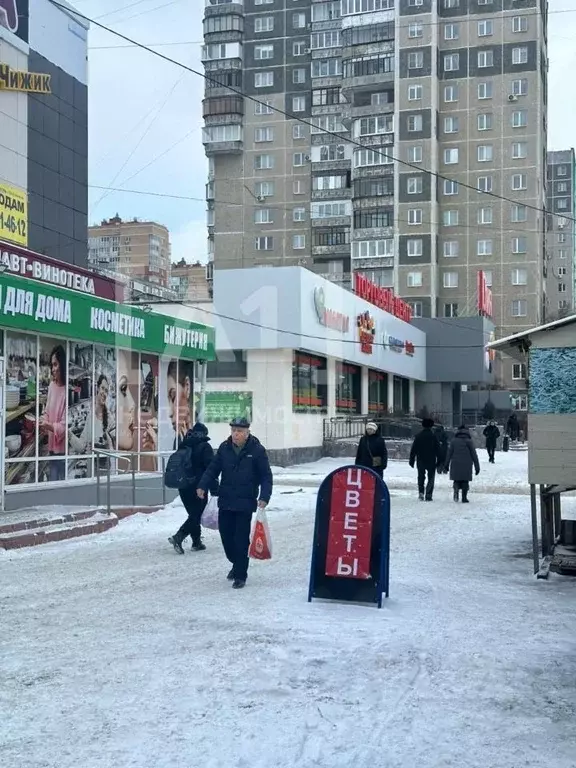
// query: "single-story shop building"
[[81, 372]]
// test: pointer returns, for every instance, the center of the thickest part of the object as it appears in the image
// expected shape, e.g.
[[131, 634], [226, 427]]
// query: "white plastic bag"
[[261, 544], [210, 514]]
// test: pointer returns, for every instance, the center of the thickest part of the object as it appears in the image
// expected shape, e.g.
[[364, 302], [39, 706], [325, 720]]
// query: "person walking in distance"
[[491, 433], [372, 452], [426, 453], [461, 458], [199, 455], [442, 438], [241, 463]]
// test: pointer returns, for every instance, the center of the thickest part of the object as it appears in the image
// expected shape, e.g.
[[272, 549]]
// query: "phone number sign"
[[13, 215]]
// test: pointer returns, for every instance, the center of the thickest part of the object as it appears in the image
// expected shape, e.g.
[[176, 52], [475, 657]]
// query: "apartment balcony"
[[374, 233], [326, 251], [223, 7], [365, 203], [332, 194], [215, 107], [354, 111], [354, 80], [383, 262], [223, 139], [210, 191], [331, 221]]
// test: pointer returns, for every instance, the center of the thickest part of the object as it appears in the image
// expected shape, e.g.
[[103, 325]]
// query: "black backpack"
[[178, 468]]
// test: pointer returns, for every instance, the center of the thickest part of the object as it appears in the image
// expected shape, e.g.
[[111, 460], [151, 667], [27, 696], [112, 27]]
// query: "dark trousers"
[[422, 471], [194, 507], [491, 448], [235, 534], [462, 485]]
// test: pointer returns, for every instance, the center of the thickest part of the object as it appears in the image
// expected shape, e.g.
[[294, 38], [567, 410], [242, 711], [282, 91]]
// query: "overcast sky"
[[145, 114]]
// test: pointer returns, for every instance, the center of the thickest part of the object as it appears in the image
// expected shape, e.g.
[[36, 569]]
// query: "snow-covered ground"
[[117, 653]]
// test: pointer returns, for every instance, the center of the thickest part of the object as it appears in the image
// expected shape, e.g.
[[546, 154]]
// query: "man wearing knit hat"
[[426, 453], [372, 452]]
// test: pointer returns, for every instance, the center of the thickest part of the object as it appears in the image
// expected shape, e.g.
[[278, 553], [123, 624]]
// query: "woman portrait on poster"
[[180, 386], [53, 421], [101, 437], [126, 407]]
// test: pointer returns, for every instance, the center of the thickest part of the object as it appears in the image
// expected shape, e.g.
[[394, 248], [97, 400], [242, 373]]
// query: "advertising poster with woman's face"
[[127, 402], [166, 408], [148, 440], [180, 384], [80, 409], [104, 407], [52, 410], [21, 353]]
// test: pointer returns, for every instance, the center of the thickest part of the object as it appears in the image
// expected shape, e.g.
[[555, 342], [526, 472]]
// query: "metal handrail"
[[128, 456]]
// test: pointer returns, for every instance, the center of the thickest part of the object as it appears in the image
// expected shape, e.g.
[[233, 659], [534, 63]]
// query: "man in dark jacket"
[[242, 464], [372, 452], [491, 433], [200, 454], [426, 453], [461, 458]]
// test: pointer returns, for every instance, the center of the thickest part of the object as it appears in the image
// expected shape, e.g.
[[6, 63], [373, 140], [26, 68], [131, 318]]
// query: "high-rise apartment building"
[[138, 249], [189, 281], [453, 90], [561, 239]]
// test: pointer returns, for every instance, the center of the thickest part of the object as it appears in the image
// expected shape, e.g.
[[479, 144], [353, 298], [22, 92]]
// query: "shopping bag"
[[210, 514], [261, 544]]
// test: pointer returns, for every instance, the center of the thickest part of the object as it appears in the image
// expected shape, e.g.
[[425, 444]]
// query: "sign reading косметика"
[[29, 306]]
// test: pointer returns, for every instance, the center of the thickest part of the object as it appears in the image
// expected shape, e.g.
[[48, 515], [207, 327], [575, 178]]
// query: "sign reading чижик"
[[24, 81]]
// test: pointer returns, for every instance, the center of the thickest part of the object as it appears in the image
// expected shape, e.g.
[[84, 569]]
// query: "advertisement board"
[[14, 17], [13, 214]]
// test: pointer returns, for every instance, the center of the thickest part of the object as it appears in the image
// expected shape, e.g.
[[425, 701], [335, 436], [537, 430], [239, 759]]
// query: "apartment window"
[[330, 39], [378, 99], [415, 247], [332, 152], [414, 279], [264, 189], [299, 48], [414, 185], [415, 216], [415, 60], [450, 187], [327, 210], [298, 131], [261, 2], [561, 237], [263, 24], [451, 155], [484, 183], [520, 24], [519, 181], [298, 76], [414, 92], [299, 20], [485, 89], [519, 150], [450, 31], [520, 55], [451, 310], [520, 87], [263, 216], [264, 244], [263, 108], [451, 93], [415, 29], [263, 52], [330, 182], [451, 124], [368, 157], [217, 133], [519, 308], [561, 287], [299, 159], [373, 219], [519, 277], [298, 187], [518, 213], [299, 214], [485, 153], [298, 242], [417, 308], [326, 67], [415, 123], [374, 126], [299, 104], [562, 304], [561, 271], [415, 154], [263, 134], [519, 118], [485, 121], [450, 218], [451, 62], [450, 279], [485, 216], [484, 248], [562, 203], [372, 249], [451, 249], [518, 371], [485, 28], [562, 187], [519, 245], [323, 97], [450, 3], [326, 11], [263, 162], [373, 186], [485, 59], [562, 253], [415, 3], [263, 79]]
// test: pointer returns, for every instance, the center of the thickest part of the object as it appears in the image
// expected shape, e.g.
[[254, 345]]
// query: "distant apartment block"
[[561, 240]]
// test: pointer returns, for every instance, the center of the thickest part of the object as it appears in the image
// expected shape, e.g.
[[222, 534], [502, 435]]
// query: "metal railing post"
[[97, 479], [133, 466], [108, 489], [162, 482]]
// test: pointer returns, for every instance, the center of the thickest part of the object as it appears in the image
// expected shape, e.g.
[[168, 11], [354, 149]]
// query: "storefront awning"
[[517, 345]]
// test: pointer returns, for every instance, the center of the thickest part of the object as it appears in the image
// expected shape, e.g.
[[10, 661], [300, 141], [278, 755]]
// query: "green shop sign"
[[225, 406], [27, 306]]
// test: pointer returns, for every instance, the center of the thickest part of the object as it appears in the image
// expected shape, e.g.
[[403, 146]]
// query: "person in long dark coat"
[[461, 458], [372, 451], [491, 433], [442, 438], [426, 454]]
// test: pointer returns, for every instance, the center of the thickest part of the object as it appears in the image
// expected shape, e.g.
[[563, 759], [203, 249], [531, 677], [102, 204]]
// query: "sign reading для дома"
[[21, 80]]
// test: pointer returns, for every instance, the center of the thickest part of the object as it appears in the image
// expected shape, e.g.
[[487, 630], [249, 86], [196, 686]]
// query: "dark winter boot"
[[198, 546], [421, 496], [238, 584], [456, 493], [177, 544], [230, 576], [465, 496]]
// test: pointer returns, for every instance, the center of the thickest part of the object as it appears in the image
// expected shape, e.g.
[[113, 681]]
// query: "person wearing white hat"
[[372, 451]]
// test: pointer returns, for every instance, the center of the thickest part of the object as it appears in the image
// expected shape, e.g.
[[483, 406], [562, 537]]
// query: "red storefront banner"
[[380, 297], [349, 543]]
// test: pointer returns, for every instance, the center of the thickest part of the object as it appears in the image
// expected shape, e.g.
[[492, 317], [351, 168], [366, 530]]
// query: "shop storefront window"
[[377, 392], [309, 383], [348, 388]]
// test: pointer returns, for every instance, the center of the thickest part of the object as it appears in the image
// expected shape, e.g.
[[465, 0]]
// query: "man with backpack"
[[242, 464], [183, 471]]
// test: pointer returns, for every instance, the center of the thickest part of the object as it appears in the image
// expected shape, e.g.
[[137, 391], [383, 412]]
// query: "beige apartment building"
[[414, 149], [188, 281], [137, 249]]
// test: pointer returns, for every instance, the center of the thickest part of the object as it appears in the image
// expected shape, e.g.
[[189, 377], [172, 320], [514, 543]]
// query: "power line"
[[310, 124]]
